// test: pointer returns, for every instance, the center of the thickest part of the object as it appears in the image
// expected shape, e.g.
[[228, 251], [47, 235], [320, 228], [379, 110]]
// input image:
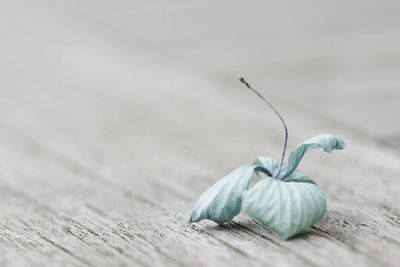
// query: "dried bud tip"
[[242, 80]]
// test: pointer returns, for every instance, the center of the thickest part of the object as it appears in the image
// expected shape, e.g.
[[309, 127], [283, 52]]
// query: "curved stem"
[[242, 80]]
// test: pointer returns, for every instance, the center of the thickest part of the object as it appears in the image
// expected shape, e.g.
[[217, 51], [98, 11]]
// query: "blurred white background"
[[340, 59]]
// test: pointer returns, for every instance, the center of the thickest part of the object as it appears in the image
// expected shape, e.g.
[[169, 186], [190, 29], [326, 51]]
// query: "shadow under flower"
[[335, 225]]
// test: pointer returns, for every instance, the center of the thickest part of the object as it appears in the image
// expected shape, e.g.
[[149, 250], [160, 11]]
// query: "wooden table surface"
[[116, 115]]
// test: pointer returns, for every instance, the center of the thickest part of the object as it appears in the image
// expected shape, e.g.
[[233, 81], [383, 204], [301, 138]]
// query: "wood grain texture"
[[114, 118]]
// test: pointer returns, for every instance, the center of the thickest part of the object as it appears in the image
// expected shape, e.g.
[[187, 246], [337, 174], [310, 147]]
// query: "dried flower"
[[286, 201]]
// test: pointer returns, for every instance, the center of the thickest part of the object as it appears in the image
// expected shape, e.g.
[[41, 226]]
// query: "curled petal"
[[328, 142], [222, 201], [287, 208]]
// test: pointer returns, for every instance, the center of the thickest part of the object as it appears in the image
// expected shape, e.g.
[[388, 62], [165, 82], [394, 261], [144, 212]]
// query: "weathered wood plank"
[[107, 140]]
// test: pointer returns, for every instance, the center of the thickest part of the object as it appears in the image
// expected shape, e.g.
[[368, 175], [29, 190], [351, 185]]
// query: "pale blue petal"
[[222, 201], [287, 208], [297, 176], [328, 142], [269, 164]]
